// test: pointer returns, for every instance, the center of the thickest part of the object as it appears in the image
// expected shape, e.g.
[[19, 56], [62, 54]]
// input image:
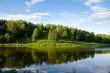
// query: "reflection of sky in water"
[[102, 49], [99, 64]]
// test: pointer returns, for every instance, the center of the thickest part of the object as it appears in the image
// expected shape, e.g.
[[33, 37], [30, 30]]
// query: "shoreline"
[[57, 45]]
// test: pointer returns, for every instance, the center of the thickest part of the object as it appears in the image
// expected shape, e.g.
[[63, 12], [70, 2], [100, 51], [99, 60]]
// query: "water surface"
[[54, 61]]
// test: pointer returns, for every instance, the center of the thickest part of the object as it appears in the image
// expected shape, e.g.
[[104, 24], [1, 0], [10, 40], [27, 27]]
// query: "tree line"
[[20, 31]]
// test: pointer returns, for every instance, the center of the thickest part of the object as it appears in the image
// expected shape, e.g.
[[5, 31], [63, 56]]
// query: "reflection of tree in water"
[[38, 57], [20, 59], [52, 55], [12, 57], [9, 71], [64, 57]]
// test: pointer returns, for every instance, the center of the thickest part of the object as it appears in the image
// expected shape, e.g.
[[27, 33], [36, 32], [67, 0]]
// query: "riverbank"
[[61, 44]]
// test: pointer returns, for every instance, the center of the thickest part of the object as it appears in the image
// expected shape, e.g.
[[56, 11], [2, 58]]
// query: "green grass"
[[61, 44]]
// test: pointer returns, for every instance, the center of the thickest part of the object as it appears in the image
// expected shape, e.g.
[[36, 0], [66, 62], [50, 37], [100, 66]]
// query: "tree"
[[98, 38], [12, 31], [52, 35], [75, 34], [2, 27], [52, 38], [21, 27], [35, 34], [72, 34], [7, 37], [90, 37], [65, 35], [11, 27], [50, 26], [2, 39]]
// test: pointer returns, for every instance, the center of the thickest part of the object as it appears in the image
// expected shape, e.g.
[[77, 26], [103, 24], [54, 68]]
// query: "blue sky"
[[91, 15]]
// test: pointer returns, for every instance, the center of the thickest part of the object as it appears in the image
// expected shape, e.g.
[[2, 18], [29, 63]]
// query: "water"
[[55, 61]]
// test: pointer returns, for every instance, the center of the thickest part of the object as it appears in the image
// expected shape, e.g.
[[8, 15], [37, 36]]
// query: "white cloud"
[[92, 2], [100, 14], [98, 8], [27, 10], [27, 17], [86, 12], [33, 2], [82, 20], [101, 17]]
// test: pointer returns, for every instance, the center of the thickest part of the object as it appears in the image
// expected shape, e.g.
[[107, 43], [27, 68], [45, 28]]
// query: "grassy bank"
[[60, 44]]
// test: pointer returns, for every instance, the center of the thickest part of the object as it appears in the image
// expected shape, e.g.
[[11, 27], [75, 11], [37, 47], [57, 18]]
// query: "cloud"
[[82, 20], [69, 14], [101, 69], [27, 10], [98, 8], [101, 17], [100, 14], [27, 17], [33, 2], [92, 2], [86, 12]]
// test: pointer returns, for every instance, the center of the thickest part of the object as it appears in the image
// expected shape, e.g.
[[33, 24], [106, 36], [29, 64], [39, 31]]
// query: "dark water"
[[54, 61]]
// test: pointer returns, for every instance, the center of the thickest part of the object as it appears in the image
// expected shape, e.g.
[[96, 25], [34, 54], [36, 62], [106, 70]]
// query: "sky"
[[90, 15]]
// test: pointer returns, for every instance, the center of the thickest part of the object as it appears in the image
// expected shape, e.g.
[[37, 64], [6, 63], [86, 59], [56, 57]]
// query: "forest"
[[20, 31]]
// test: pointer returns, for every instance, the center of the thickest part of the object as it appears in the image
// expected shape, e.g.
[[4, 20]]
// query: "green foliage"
[[2, 27], [2, 38], [52, 35], [35, 34], [14, 31], [65, 34], [12, 27], [8, 37], [50, 26]]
